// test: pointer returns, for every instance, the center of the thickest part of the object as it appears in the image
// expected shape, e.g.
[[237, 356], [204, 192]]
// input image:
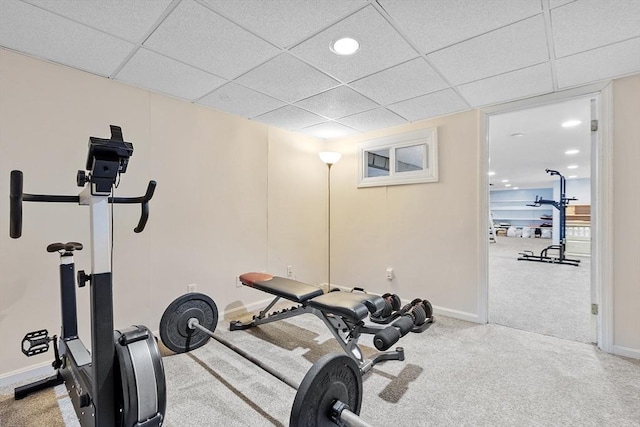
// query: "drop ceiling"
[[524, 143], [270, 61]]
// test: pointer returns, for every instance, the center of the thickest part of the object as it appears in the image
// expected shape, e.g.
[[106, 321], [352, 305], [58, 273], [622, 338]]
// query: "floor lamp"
[[329, 158]]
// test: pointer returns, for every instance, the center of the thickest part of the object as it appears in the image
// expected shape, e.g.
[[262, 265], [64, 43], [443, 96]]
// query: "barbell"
[[330, 393]]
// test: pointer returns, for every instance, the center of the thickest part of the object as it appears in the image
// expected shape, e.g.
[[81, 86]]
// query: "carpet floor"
[[455, 374], [549, 299]]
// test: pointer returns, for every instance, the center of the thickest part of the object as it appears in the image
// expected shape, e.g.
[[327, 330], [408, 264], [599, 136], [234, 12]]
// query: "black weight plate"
[[419, 315], [333, 377], [174, 325], [428, 308], [396, 303]]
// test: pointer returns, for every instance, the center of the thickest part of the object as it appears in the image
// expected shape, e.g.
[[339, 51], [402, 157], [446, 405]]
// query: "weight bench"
[[342, 312]]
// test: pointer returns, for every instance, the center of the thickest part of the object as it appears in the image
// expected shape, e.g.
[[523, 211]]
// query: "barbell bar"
[[330, 393]]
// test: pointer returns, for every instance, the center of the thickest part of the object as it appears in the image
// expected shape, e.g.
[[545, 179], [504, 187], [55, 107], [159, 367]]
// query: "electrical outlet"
[[389, 273], [192, 287], [290, 273]]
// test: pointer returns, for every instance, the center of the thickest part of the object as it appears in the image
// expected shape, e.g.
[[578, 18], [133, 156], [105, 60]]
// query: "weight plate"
[[419, 315], [396, 303], [428, 308], [174, 325], [333, 377]]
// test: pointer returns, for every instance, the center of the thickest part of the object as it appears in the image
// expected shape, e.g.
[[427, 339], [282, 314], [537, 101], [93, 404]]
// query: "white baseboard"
[[633, 353], [32, 372], [254, 306], [456, 314]]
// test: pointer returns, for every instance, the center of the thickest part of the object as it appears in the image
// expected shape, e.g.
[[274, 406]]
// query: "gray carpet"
[[455, 374], [549, 299]]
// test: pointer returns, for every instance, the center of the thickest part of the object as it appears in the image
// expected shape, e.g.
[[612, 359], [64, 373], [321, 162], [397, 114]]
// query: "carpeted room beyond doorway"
[[549, 299]]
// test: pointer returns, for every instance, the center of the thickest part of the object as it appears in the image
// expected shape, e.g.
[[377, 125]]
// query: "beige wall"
[[233, 196], [626, 214], [297, 207], [428, 233]]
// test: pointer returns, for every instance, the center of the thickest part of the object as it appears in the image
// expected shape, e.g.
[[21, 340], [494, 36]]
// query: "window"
[[409, 158]]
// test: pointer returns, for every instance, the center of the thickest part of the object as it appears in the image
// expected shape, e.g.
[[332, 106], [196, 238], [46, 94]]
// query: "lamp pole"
[[329, 158]]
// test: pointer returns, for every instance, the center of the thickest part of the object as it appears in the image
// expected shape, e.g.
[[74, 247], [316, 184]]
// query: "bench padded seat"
[[354, 306], [286, 288]]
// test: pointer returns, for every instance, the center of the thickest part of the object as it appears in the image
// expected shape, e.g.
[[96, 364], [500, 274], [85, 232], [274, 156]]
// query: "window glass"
[[378, 163], [409, 159]]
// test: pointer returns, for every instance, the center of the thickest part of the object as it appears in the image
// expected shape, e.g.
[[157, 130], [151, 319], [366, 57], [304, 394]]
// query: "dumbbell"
[[391, 304], [420, 310], [414, 315]]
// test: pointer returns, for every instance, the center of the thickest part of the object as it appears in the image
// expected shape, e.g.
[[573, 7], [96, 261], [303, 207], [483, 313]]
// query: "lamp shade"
[[330, 157]]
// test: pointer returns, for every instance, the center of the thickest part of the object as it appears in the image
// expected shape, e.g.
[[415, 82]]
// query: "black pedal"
[[36, 342]]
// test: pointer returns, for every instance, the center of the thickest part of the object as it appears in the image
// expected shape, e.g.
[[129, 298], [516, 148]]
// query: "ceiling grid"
[[271, 61]]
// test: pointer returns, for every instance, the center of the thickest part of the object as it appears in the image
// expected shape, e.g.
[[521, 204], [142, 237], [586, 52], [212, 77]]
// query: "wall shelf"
[[510, 206]]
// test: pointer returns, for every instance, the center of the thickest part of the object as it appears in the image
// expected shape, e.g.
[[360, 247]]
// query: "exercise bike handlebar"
[[15, 205], [144, 203], [17, 196]]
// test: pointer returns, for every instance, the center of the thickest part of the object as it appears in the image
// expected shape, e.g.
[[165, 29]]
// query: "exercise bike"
[[561, 246], [121, 381]]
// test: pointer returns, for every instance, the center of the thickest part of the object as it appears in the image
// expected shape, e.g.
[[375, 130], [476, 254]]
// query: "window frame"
[[429, 173]]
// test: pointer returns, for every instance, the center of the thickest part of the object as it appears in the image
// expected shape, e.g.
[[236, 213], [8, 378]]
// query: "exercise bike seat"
[[286, 288], [68, 247]]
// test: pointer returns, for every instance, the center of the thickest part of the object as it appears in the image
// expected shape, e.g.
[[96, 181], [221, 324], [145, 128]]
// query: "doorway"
[[531, 151]]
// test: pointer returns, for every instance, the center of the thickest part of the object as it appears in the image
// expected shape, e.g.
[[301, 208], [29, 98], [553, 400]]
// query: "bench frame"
[[344, 331]]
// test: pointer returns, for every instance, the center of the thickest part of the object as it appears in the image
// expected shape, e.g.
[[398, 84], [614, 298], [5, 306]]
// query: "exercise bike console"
[[106, 159]]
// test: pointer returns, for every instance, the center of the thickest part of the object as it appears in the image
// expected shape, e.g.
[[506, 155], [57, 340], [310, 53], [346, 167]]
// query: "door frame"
[[602, 202]]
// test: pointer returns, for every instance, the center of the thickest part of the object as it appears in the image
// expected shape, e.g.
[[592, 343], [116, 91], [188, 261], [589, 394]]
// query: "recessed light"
[[572, 152], [507, 185], [571, 123], [505, 180], [572, 167], [491, 173], [345, 46], [572, 176], [515, 188], [516, 135]]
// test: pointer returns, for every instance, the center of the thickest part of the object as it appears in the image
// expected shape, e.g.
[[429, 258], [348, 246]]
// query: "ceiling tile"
[[587, 24], [236, 99], [401, 82], [328, 130], [432, 105], [434, 24], [338, 102], [510, 48], [599, 64], [371, 120], [130, 20], [284, 22], [290, 117], [198, 36], [557, 3], [287, 78], [31, 30], [161, 74], [380, 47], [518, 84]]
